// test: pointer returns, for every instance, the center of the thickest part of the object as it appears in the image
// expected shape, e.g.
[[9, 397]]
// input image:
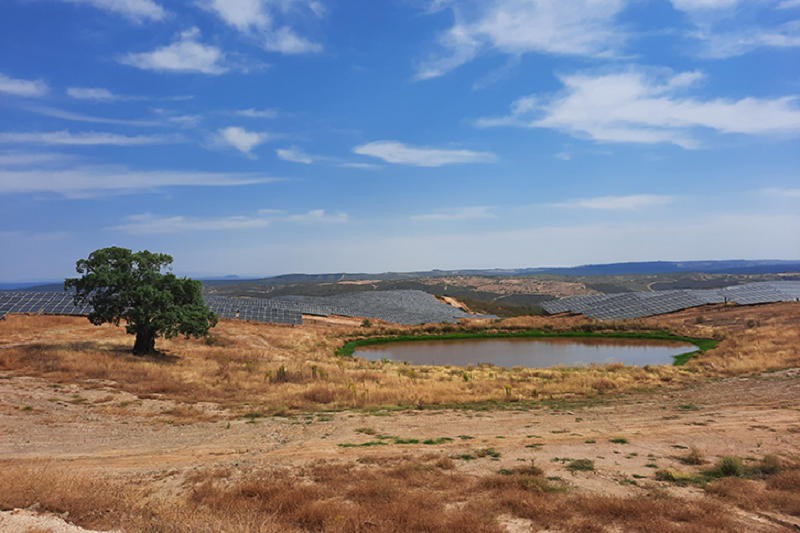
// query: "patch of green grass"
[[363, 444], [651, 465], [467, 456], [441, 440], [580, 465], [618, 440], [406, 441], [491, 452], [465, 437], [537, 445], [590, 441]]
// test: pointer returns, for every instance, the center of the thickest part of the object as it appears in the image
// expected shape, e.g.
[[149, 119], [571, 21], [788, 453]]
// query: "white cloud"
[[256, 18], [148, 224], [92, 181], [703, 5], [579, 28], [254, 113], [184, 55], [782, 193], [726, 28], [104, 95], [85, 93], [241, 139], [362, 166], [25, 88], [14, 159], [318, 216], [295, 155], [396, 152], [737, 43], [67, 115], [185, 121], [616, 203], [634, 107], [135, 10], [458, 213], [87, 138], [564, 156]]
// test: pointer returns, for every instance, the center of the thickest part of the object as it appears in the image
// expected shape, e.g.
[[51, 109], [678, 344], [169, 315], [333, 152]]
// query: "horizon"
[[397, 136]]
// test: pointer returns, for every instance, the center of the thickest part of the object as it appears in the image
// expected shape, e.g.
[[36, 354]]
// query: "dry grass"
[[274, 369], [395, 495]]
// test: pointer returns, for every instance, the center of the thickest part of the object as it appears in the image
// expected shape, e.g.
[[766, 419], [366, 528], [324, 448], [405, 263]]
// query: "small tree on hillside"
[[122, 285]]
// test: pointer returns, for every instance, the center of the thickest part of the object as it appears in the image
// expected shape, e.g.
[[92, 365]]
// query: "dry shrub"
[[319, 394]]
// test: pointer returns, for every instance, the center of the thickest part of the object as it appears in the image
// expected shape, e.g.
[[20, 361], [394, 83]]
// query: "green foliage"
[[124, 286], [730, 466], [583, 465], [619, 441]]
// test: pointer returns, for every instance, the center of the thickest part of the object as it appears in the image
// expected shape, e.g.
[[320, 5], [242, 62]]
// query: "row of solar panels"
[[644, 304], [58, 303], [399, 307]]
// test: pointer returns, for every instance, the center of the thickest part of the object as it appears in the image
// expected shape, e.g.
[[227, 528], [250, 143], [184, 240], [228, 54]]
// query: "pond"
[[529, 353]]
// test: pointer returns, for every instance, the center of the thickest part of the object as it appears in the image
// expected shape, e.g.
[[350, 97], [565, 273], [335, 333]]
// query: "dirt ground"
[[750, 417]]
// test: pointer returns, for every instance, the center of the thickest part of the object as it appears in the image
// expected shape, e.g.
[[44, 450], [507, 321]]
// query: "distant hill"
[[735, 267]]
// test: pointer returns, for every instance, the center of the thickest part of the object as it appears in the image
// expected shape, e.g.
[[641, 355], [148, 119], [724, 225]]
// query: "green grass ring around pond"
[[702, 344]]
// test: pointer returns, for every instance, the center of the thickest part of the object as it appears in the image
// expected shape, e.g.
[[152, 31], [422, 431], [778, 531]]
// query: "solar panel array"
[[56, 303], [399, 307], [644, 304]]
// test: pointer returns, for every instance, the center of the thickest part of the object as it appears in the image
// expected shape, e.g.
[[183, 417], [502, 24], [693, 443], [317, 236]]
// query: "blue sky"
[[262, 137]]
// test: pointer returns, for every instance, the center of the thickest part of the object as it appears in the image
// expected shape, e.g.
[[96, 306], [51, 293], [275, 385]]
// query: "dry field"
[[262, 429]]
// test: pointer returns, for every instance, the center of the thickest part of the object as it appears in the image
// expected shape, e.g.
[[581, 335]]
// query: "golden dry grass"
[[275, 369], [394, 495]]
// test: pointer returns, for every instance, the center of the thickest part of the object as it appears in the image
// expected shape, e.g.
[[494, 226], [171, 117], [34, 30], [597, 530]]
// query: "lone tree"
[[122, 285]]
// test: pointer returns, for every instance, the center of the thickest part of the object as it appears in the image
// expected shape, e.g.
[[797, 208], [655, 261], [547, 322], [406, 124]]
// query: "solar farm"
[[643, 304], [398, 307]]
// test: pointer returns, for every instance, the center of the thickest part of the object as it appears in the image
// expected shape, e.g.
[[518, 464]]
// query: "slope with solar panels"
[[399, 307], [644, 304]]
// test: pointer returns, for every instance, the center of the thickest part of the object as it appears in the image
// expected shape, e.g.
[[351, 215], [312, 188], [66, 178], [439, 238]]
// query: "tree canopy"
[[124, 286]]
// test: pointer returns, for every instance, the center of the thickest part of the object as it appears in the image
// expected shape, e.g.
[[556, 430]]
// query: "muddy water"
[[530, 353]]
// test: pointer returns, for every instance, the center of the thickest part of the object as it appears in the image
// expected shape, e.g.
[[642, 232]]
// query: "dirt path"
[[744, 417]]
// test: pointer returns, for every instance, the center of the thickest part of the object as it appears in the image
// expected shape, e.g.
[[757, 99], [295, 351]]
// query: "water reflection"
[[530, 353]]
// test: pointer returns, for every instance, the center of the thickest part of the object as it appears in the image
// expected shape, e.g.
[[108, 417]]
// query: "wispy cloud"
[[27, 88], [619, 203], [148, 224], [728, 28], [241, 139], [93, 181], [255, 113], [397, 152], [68, 115], [295, 155], [782, 193], [88, 138], [578, 28], [186, 54], [317, 216], [635, 107], [100, 94], [362, 166], [28, 159], [135, 10], [458, 213], [257, 19]]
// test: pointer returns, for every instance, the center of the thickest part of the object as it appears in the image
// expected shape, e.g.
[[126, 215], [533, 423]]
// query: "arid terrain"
[[207, 438]]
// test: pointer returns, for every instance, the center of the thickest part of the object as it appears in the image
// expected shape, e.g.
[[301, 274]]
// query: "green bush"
[[730, 466]]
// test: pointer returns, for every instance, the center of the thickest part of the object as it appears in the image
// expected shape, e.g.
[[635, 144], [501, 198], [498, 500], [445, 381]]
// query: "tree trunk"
[[145, 343]]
